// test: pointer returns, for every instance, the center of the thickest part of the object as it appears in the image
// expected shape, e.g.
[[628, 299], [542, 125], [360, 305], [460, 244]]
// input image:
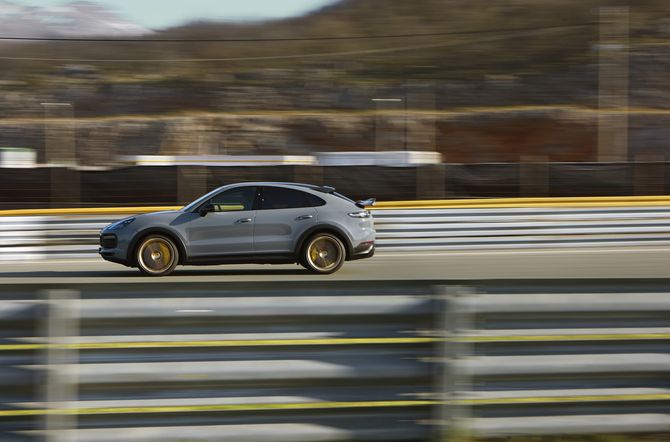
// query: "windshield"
[[189, 207]]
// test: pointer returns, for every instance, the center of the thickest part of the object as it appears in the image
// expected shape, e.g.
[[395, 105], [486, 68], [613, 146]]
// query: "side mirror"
[[205, 209]]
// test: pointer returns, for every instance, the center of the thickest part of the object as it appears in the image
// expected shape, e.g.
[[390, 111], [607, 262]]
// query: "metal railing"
[[380, 362], [76, 236]]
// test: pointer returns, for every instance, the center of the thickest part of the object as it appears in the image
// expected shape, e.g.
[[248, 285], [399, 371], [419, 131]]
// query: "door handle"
[[302, 217], [243, 220]]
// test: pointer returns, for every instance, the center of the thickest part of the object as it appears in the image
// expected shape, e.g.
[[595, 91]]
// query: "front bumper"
[[109, 250], [113, 256]]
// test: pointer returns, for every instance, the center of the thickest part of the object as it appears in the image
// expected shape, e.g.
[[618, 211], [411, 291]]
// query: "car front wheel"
[[324, 254], [157, 255]]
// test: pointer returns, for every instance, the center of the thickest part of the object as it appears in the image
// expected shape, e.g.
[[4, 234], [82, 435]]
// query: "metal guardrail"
[[76, 236], [379, 362]]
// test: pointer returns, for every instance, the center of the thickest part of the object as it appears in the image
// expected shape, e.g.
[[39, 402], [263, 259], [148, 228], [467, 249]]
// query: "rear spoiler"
[[362, 204], [365, 203]]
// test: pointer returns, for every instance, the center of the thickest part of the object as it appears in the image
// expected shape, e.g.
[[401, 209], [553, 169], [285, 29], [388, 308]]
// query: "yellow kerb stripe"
[[336, 341], [337, 405], [488, 203]]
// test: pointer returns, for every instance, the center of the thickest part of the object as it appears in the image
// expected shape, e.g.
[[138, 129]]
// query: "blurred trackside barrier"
[[402, 226], [344, 361], [172, 185], [483, 203]]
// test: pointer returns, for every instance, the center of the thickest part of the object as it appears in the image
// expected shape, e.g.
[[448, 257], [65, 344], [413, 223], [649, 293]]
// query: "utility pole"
[[61, 155], [381, 136], [613, 87]]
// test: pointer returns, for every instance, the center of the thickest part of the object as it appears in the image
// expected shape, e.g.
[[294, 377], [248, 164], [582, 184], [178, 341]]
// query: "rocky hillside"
[[462, 69]]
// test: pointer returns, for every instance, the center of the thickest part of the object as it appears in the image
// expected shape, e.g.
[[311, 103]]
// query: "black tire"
[[323, 253], [156, 255]]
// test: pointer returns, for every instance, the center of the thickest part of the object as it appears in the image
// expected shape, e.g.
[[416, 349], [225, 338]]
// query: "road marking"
[[194, 311]]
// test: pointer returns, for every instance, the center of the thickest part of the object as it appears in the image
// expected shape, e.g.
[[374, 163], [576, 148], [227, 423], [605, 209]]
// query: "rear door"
[[229, 229], [284, 214]]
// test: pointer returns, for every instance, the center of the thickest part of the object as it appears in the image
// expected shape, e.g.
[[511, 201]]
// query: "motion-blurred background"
[[521, 320], [103, 100]]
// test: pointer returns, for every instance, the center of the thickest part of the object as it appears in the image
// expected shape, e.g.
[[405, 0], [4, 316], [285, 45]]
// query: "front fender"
[[172, 234]]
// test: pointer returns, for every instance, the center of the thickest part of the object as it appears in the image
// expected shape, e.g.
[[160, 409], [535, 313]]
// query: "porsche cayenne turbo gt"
[[262, 223]]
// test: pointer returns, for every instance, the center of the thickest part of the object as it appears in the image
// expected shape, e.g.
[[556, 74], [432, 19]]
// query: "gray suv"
[[262, 223]]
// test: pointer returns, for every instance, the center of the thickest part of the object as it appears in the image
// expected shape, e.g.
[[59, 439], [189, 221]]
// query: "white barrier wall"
[[76, 236]]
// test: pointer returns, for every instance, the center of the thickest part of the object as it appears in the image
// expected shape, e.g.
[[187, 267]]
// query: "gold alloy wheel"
[[325, 253], [156, 255]]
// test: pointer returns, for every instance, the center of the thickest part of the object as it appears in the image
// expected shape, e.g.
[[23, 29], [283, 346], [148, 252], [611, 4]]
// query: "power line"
[[281, 39], [288, 56]]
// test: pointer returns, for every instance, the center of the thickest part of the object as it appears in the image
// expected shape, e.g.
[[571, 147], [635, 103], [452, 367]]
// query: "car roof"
[[323, 189]]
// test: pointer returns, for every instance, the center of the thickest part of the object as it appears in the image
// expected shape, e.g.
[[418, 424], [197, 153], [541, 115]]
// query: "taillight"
[[361, 214]]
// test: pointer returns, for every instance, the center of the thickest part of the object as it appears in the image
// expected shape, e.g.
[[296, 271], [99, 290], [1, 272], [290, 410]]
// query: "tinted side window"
[[241, 198], [314, 201], [280, 198]]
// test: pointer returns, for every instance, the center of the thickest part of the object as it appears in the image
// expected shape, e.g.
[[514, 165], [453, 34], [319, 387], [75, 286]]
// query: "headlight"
[[120, 224], [361, 214]]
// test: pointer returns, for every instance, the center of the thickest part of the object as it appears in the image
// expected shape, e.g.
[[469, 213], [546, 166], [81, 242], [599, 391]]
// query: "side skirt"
[[274, 258]]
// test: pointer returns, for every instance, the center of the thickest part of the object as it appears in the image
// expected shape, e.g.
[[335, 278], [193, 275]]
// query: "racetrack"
[[650, 262]]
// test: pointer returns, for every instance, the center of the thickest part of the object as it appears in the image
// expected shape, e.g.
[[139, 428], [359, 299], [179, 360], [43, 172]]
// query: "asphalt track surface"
[[650, 262]]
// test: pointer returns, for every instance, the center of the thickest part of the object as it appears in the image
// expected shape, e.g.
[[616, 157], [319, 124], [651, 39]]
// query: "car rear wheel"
[[157, 255], [324, 254]]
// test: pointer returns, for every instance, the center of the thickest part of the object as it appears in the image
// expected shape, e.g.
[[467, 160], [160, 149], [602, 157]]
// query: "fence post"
[[453, 381], [62, 327], [534, 175], [649, 174], [430, 181], [65, 187]]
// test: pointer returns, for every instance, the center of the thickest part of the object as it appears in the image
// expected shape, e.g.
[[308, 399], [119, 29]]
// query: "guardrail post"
[[62, 325], [453, 383]]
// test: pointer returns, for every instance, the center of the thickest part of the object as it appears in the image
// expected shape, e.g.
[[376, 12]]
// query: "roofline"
[[322, 189]]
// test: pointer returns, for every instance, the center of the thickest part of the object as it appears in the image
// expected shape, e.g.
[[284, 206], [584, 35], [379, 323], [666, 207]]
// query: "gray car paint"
[[224, 234]]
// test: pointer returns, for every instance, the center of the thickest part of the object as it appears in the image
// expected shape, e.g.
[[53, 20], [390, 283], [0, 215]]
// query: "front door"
[[228, 230]]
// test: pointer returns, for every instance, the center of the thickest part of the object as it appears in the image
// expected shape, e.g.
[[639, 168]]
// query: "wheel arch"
[[139, 236], [324, 228]]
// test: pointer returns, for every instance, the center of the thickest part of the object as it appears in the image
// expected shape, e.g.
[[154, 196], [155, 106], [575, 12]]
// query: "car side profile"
[[261, 223]]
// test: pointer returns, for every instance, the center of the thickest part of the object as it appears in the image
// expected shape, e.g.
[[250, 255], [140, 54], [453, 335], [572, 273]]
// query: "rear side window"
[[282, 198], [314, 201]]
